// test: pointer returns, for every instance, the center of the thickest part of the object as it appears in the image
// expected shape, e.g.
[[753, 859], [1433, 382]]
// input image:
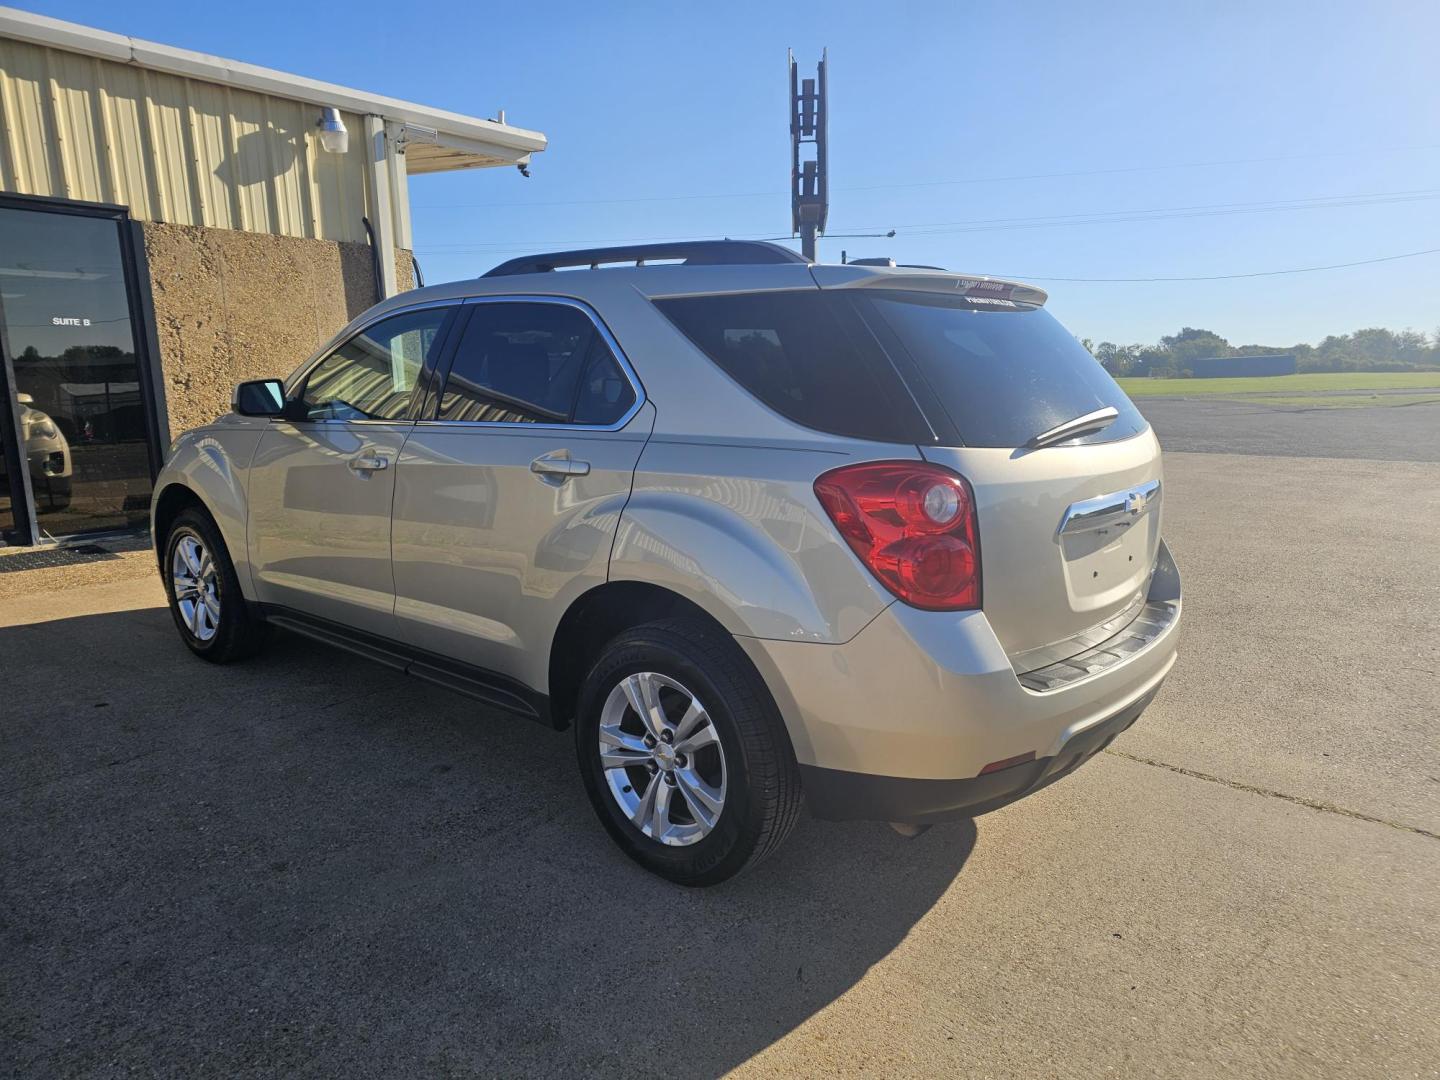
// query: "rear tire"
[[728, 787], [213, 618]]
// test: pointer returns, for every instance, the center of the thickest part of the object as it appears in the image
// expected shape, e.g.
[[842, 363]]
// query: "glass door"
[[79, 404]]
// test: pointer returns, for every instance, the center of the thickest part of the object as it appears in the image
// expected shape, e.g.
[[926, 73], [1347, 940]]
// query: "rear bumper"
[[836, 795], [898, 723]]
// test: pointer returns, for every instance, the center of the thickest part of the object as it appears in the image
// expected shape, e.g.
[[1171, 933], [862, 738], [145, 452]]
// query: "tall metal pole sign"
[[809, 179]]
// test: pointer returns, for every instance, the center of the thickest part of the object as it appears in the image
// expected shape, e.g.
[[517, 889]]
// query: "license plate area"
[[1108, 546]]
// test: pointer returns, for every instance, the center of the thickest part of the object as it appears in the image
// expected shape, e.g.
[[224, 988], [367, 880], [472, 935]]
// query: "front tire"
[[212, 616], [683, 753]]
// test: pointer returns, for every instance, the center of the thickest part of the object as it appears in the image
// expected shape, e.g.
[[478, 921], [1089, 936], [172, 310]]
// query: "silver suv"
[[883, 540]]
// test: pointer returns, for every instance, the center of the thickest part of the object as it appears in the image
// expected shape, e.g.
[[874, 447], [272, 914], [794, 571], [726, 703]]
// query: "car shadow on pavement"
[[308, 864]]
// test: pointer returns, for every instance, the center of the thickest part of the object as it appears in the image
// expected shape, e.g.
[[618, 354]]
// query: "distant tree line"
[[1372, 349]]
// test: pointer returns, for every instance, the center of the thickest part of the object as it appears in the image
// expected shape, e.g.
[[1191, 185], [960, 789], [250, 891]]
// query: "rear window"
[[905, 367], [806, 355], [1002, 375]]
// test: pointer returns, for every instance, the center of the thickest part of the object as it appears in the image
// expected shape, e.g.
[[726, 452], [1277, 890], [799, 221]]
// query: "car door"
[[321, 486], [507, 499]]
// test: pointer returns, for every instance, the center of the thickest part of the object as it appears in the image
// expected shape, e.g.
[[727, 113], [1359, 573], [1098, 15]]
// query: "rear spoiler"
[[978, 290]]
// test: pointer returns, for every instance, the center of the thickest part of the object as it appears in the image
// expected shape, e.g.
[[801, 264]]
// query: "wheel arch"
[[170, 502], [596, 617], [206, 469]]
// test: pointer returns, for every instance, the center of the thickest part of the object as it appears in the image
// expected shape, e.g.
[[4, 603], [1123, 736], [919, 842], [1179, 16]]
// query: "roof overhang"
[[436, 140]]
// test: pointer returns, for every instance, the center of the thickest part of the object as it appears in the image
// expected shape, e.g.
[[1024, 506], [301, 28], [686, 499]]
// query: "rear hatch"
[[969, 370], [1069, 532]]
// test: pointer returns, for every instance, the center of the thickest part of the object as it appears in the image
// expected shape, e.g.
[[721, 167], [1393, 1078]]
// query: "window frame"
[[295, 386], [431, 411]]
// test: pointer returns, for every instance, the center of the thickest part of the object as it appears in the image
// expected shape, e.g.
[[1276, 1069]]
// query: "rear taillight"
[[913, 524]]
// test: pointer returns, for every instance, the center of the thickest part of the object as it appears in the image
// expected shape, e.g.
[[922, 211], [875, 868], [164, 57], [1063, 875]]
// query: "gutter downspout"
[[375, 277], [378, 149]]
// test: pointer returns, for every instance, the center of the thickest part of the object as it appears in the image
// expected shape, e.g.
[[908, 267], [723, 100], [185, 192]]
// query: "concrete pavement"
[[1204, 425], [303, 865]]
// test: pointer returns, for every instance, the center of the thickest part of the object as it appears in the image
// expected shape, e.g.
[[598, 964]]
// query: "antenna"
[[809, 179]]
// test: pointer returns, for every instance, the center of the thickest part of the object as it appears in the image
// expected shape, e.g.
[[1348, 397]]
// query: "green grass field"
[[1338, 401], [1285, 384]]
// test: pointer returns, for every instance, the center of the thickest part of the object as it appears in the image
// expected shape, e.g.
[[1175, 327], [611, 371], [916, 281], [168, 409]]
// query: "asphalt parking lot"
[[306, 866], [1401, 432]]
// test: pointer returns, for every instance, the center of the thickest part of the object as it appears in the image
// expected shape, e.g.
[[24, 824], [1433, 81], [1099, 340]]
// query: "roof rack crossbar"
[[691, 253]]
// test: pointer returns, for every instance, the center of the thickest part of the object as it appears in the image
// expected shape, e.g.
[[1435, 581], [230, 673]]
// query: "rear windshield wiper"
[[1088, 424]]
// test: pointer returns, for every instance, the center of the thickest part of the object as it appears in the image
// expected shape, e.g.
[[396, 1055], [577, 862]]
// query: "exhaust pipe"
[[909, 832]]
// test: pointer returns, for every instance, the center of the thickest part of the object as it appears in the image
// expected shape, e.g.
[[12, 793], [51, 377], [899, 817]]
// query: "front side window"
[[534, 363], [372, 376]]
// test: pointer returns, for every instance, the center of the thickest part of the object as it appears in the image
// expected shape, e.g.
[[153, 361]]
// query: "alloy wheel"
[[662, 758], [197, 587]]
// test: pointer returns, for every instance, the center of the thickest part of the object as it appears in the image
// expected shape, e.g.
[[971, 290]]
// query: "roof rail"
[[692, 253]]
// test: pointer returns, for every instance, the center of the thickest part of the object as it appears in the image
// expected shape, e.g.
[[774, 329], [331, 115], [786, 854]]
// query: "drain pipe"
[[374, 260]]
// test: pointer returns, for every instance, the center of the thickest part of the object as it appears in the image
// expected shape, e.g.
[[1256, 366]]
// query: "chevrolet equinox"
[[880, 540]]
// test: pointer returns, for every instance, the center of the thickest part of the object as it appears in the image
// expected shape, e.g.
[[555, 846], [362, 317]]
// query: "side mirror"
[[25, 399], [259, 397]]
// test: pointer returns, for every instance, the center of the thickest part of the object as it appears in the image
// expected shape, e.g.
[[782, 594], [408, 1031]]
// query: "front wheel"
[[683, 753], [212, 616]]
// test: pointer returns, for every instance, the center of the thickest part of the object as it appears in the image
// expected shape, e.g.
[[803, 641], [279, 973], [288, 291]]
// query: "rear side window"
[[1001, 375], [806, 356], [605, 394], [527, 362]]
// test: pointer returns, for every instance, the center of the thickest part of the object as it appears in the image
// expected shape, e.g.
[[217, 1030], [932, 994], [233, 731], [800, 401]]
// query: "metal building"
[[172, 223]]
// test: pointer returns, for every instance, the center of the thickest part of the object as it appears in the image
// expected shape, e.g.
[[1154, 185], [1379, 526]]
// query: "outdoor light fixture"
[[334, 139]]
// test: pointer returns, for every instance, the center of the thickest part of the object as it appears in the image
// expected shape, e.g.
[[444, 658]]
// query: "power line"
[[1015, 178], [1228, 277], [1093, 217], [1101, 217], [1149, 168]]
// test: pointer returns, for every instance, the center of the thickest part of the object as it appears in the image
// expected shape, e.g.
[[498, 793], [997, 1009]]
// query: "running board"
[[489, 687]]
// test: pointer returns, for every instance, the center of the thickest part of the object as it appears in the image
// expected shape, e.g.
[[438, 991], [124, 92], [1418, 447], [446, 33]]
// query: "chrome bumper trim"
[[1154, 619]]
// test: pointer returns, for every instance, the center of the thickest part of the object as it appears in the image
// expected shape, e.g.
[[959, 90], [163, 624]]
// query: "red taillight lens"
[[913, 524]]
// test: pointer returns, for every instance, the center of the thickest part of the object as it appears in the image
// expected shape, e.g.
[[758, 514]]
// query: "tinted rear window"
[[905, 367], [1001, 375], [806, 355]]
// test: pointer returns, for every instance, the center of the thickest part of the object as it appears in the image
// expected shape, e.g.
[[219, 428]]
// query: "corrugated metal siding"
[[173, 149]]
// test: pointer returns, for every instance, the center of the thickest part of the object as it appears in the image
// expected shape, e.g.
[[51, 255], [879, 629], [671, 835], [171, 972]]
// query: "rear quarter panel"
[[736, 529]]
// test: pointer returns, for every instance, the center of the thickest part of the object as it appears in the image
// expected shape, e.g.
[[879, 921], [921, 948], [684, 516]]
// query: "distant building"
[[172, 223], [1219, 367]]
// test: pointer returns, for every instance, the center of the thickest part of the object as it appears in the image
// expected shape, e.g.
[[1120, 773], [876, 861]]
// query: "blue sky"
[[667, 120]]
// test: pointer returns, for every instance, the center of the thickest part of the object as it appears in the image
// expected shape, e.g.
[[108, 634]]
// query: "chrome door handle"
[[368, 463], [558, 466]]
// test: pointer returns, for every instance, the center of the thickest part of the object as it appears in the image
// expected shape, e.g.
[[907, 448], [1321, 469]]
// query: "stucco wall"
[[233, 305]]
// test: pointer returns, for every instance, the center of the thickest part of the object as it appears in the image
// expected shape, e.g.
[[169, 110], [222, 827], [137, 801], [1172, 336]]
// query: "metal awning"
[[435, 140]]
